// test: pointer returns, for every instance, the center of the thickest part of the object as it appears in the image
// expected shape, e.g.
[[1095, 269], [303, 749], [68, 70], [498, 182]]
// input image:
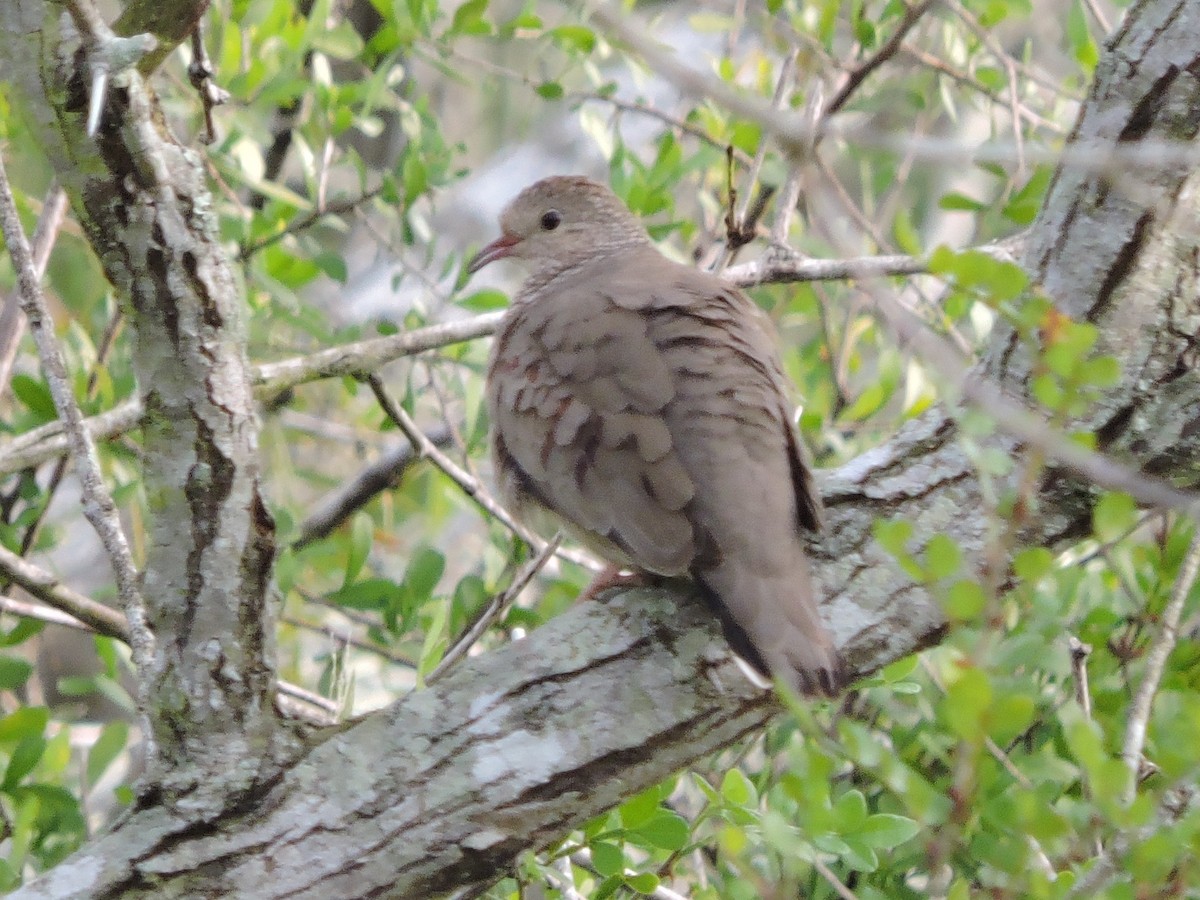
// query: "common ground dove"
[[641, 405]]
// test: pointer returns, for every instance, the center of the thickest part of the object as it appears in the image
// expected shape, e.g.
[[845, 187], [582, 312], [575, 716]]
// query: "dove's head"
[[559, 222]]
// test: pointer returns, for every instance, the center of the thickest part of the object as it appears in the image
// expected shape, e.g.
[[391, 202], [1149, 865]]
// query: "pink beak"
[[497, 249]]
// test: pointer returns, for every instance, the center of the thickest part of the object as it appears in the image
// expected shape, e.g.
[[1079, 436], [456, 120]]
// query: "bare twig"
[[495, 609], [1176, 802], [836, 883], [366, 356], [339, 208], [469, 484], [12, 319], [307, 696], [681, 125], [855, 78], [1156, 662], [794, 134], [781, 268], [382, 475], [1079, 657], [1010, 66], [1098, 14], [296, 708], [60, 466], [98, 505], [74, 610], [50, 590], [200, 74], [41, 613], [740, 231]]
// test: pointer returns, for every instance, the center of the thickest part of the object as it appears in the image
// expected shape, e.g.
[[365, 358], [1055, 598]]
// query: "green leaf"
[[468, 19], [639, 810], [966, 703], [13, 673], [28, 720], [850, 811], [1033, 563], [643, 882], [435, 632], [333, 265], [859, 856], [362, 533], [423, 573], [26, 755], [34, 393], [484, 301], [340, 42], [965, 601], [956, 201], [737, 789], [108, 747], [607, 858], [883, 831], [893, 535], [942, 557], [574, 37], [666, 831], [549, 90], [1114, 515], [370, 593]]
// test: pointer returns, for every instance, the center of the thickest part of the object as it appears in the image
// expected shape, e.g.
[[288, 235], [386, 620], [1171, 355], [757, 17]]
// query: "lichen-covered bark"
[[444, 788], [143, 201]]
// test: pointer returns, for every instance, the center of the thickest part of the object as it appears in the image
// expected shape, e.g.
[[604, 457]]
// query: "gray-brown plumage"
[[641, 404]]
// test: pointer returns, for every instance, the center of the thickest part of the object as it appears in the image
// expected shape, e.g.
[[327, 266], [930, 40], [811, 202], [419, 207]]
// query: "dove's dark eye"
[[551, 219]]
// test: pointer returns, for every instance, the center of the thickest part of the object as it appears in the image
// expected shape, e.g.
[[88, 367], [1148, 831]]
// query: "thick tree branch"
[[143, 203]]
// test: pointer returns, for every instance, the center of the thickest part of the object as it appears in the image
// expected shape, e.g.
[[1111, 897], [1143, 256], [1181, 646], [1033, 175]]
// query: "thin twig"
[[1156, 662], [836, 883], [1010, 66], [855, 78], [33, 529], [350, 496], [795, 134], [200, 73], [12, 320], [682, 125], [740, 230], [47, 588], [307, 696], [41, 613], [71, 609], [339, 208], [98, 506], [348, 639], [107, 54], [1098, 14], [1079, 657], [1176, 802], [470, 485], [495, 609]]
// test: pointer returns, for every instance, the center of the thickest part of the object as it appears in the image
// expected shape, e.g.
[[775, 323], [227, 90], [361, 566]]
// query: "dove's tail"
[[772, 623]]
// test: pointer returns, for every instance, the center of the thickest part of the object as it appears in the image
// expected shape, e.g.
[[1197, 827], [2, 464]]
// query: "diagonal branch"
[[98, 505]]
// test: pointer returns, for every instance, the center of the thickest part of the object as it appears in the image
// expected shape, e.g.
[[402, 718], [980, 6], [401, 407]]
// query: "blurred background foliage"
[[365, 151]]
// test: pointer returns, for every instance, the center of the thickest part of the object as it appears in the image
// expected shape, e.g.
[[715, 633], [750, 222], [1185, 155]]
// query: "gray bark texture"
[[444, 788]]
